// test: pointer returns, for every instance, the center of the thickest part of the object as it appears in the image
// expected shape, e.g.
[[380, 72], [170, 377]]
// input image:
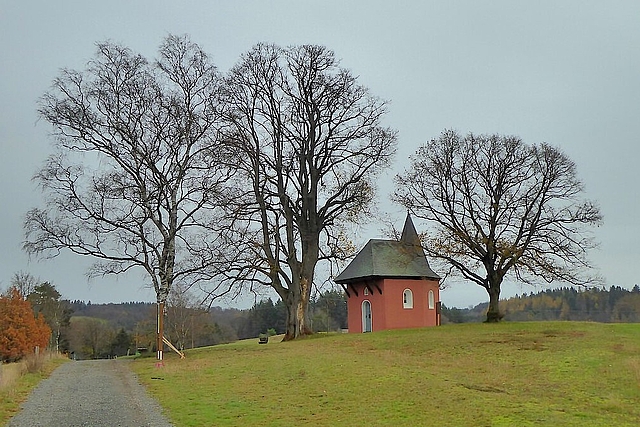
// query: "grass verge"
[[18, 379], [508, 374]]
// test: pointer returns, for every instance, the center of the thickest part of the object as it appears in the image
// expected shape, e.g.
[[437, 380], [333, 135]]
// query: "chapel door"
[[366, 316]]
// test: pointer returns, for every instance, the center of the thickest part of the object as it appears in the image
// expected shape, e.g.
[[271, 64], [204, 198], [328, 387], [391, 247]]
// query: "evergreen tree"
[[45, 300], [121, 343]]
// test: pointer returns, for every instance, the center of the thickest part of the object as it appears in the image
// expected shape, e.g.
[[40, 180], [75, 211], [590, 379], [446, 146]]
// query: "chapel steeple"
[[409, 233]]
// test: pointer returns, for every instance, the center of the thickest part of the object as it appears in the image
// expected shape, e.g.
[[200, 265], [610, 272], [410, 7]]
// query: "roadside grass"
[[17, 380], [508, 374]]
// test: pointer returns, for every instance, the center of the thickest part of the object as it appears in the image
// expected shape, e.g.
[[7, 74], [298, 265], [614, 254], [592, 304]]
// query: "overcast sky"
[[562, 72]]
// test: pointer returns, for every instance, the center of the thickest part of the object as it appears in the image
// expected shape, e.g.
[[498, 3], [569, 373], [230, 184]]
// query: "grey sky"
[[567, 73]]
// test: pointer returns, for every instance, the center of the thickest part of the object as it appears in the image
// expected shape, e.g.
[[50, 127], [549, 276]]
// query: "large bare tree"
[[499, 207], [134, 178], [309, 143]]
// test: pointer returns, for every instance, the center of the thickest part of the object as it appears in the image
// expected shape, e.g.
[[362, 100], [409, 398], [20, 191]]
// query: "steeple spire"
[[409, 233]]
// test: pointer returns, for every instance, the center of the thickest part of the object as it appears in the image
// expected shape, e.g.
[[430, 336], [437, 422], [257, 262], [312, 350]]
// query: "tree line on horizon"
[[597, 304], [193, 326]]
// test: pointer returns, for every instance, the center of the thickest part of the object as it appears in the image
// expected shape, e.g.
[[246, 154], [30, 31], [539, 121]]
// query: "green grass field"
[[508, 374]]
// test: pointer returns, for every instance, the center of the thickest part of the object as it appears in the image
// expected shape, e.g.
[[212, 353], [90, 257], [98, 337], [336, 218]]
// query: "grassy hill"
[[509, 374]]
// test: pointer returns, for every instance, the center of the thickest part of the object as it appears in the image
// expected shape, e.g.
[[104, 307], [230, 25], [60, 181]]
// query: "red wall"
[[387, 311], [354, 306]]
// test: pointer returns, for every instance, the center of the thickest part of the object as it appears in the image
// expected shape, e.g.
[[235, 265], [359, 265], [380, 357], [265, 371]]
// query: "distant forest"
[[102, 330], [105, 330], [599, 305]]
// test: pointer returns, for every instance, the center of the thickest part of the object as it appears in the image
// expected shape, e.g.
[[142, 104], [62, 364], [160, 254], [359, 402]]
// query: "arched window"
[[407, 299], [366, 291], [432, 300]]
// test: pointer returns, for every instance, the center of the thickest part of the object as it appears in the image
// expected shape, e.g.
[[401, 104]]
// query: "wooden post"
[[160, 330]]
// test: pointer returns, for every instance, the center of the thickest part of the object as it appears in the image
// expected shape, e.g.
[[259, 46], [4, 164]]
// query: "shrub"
[[10, 373], [35, 363]]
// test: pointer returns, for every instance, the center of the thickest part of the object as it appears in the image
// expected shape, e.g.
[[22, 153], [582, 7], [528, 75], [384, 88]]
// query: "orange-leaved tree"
[[20, 331]]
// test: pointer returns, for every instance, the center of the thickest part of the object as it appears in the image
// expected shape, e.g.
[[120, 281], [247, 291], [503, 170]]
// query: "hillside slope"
[[509, 374]]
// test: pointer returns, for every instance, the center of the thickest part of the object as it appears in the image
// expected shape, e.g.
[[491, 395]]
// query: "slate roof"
[[402, 258]]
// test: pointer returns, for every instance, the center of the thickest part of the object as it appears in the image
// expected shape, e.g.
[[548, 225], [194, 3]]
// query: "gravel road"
[[92, 393]]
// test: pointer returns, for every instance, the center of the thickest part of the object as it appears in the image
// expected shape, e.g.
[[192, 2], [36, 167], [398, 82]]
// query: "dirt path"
[[93, 393]]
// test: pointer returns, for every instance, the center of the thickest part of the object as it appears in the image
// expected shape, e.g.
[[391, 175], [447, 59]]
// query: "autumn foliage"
[[20, 330]]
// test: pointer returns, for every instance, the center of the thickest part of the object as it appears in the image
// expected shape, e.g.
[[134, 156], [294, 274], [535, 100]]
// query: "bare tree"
[[499, 207], [309, 143], [90, 337], [134, 179], [186, 318], [24, 282]]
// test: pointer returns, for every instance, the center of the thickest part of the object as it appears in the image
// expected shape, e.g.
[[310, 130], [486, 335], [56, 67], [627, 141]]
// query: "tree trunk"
[[493, 313], [297, 315], [297, 298], [57, 335]]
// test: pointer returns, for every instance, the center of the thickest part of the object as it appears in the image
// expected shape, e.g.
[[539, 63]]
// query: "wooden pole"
[[160, 330]]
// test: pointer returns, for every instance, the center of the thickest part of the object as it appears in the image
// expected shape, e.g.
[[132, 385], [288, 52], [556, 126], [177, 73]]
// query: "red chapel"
[[389, 285]]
